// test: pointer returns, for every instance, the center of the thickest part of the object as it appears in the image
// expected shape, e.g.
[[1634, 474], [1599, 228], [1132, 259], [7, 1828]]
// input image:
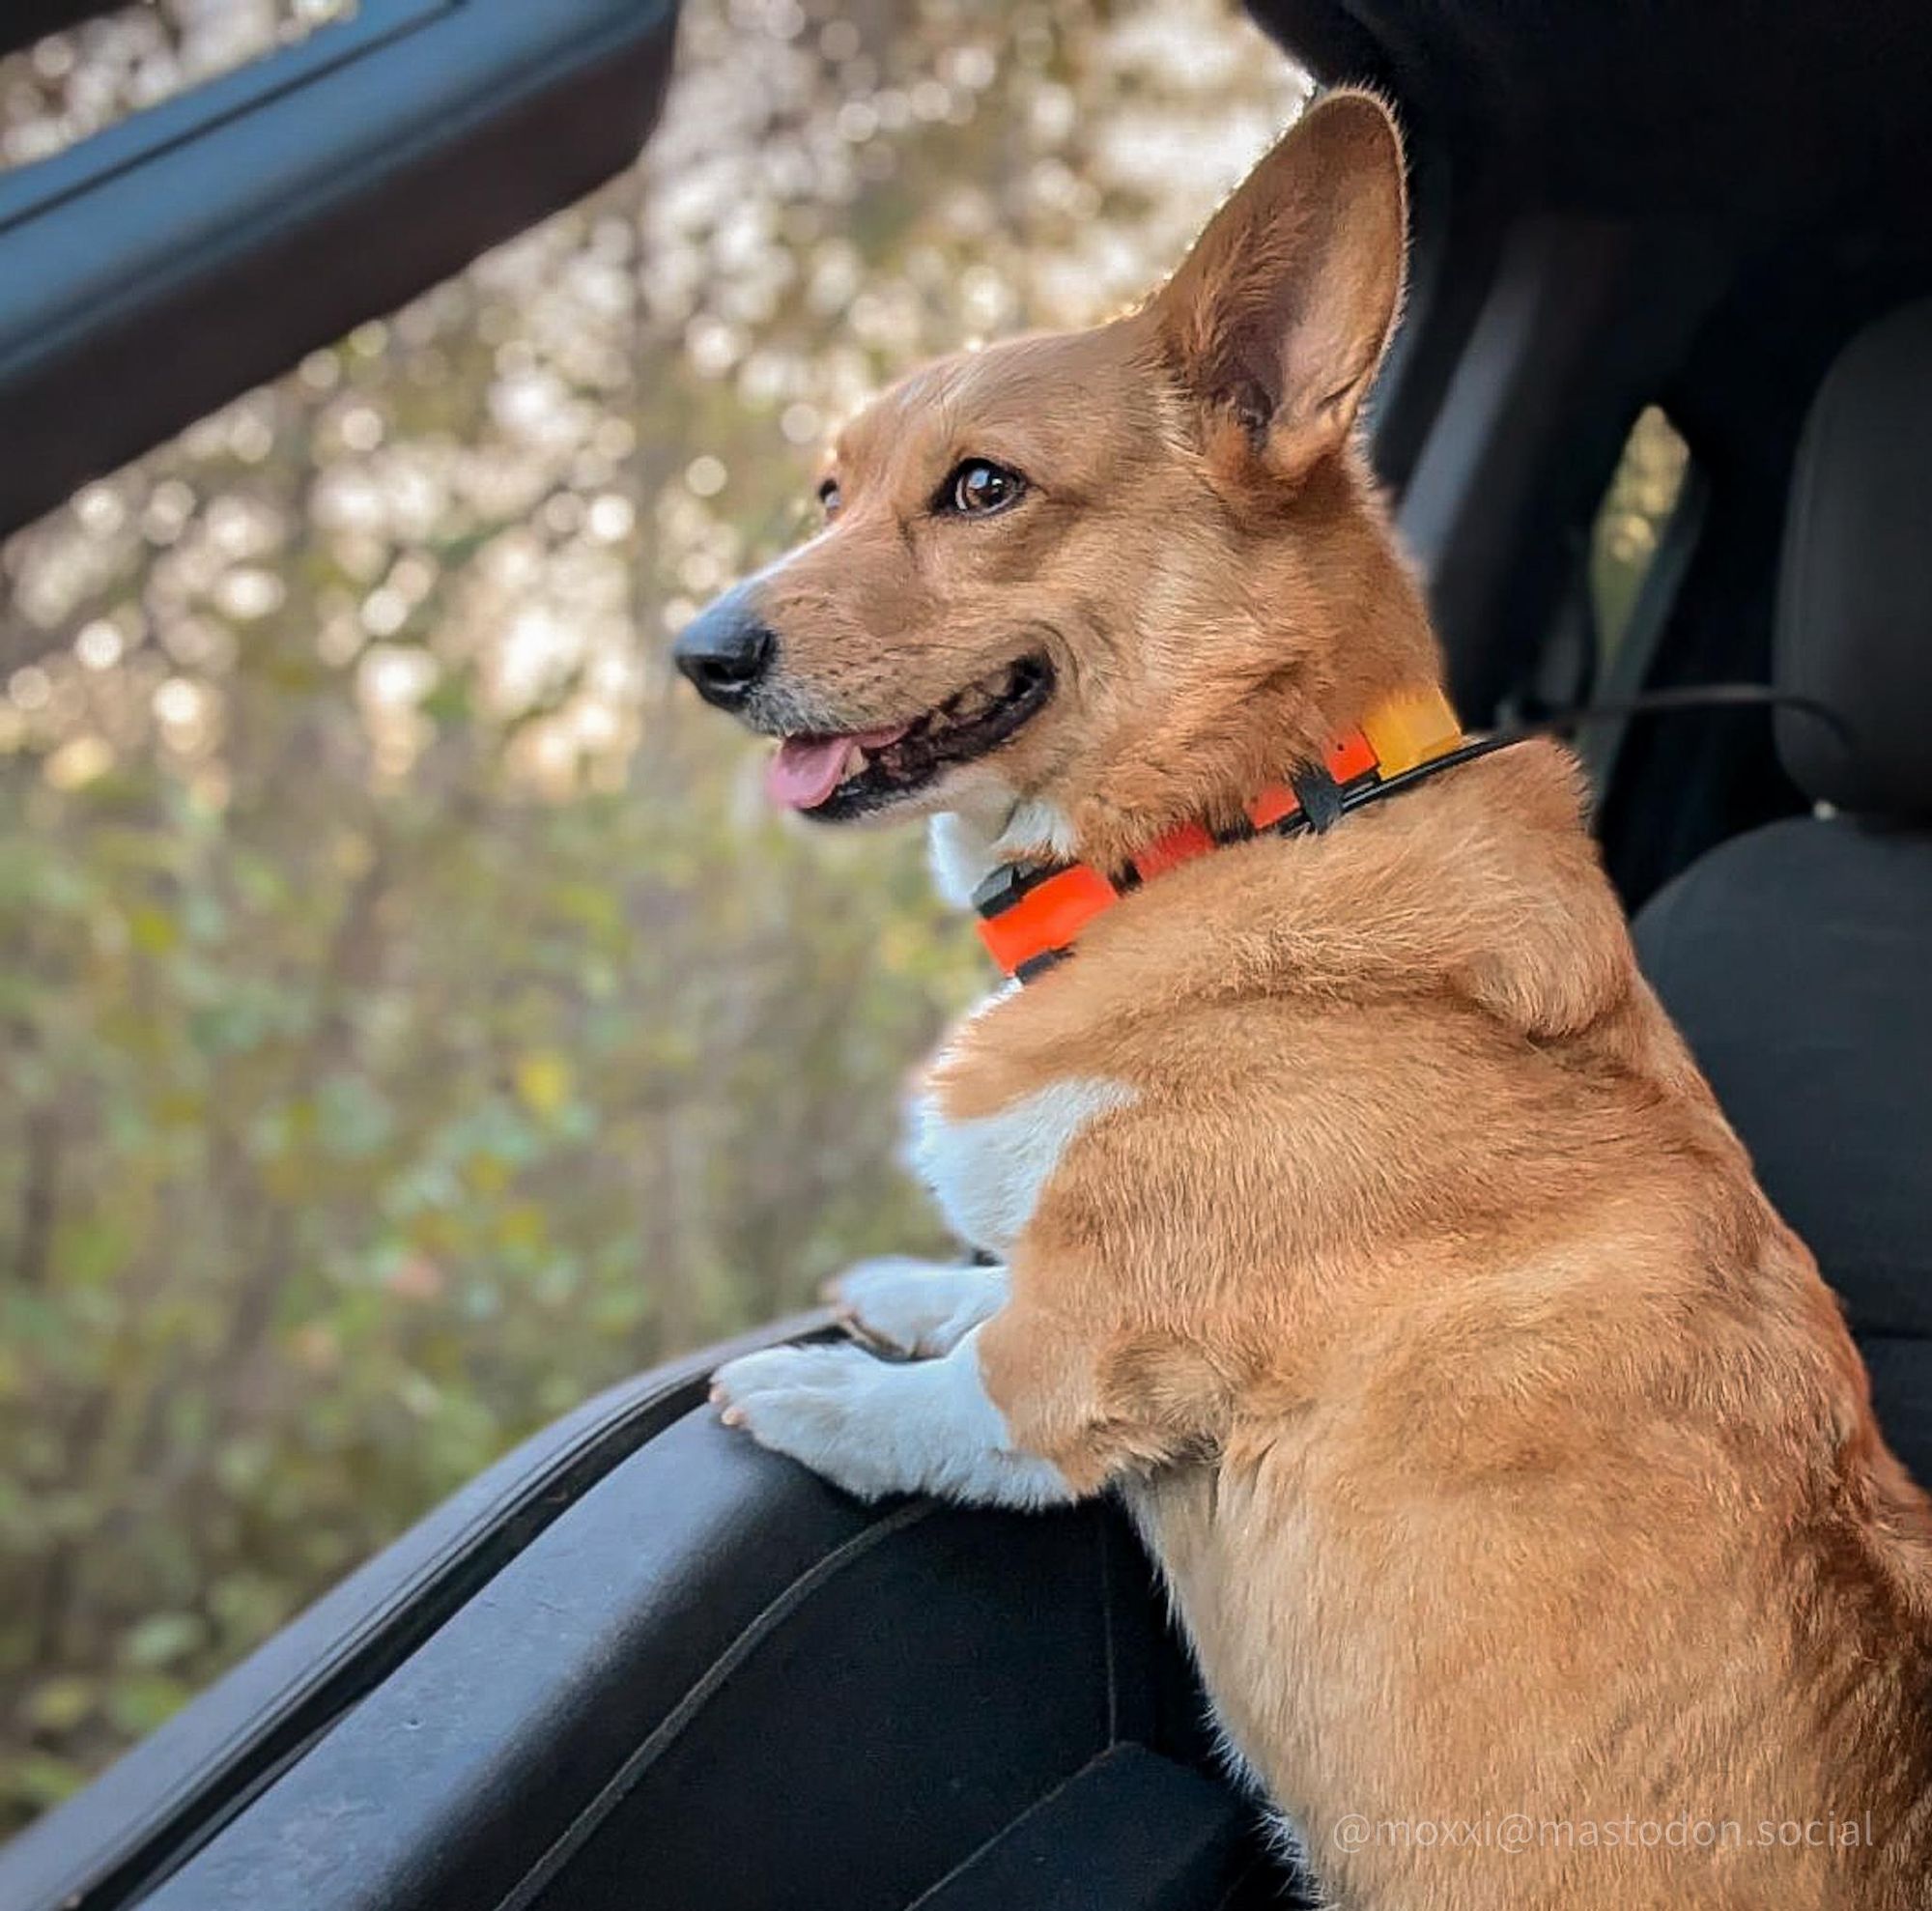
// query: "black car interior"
[[1796, 956], [641, 1663]]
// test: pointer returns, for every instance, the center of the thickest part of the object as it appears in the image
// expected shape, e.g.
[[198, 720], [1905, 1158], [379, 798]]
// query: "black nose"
[[725, 650]]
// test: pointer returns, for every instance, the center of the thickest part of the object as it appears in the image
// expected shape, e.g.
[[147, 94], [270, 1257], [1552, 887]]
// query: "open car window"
[[416, 1023]]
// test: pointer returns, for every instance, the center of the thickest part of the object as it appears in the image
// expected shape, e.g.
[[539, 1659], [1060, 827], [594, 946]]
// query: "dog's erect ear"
[[1279, 317]]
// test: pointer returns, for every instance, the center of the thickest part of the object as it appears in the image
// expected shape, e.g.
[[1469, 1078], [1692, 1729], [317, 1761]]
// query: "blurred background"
[[411, 1017]]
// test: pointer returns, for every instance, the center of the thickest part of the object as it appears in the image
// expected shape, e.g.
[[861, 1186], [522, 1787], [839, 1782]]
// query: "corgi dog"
[[1360, 1219]]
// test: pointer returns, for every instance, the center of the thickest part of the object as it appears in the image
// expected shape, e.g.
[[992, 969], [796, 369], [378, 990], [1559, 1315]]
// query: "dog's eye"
[[829, 497], [979, 487]]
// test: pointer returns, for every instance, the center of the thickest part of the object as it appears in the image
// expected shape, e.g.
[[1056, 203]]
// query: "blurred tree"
[[411, 1018], [1630, 520]]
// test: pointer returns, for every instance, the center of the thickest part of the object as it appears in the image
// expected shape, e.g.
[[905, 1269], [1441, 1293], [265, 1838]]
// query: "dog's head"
[[1114, 578]]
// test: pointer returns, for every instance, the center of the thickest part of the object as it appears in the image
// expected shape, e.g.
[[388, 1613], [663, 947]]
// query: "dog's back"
[[1543, 1532]]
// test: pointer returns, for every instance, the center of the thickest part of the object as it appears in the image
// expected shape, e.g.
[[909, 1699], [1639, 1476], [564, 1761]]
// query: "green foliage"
[[326, 1187], [411, 1018]]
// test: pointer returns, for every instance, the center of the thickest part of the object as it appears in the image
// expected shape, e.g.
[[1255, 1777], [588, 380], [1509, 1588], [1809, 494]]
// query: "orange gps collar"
[[1031, 916]]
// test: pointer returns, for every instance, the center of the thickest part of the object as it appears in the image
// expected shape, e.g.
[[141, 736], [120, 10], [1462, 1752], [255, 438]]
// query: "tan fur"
[[1503, 1449]]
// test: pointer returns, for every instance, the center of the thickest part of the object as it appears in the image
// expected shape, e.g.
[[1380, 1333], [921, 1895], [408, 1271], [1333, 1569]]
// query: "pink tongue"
[[808, 769]]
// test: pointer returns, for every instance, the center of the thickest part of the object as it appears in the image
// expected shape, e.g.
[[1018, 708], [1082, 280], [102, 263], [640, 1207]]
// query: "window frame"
[[153, 271]]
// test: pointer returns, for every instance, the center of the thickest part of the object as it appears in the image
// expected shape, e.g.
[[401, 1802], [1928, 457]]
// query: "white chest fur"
[[987, 1172]]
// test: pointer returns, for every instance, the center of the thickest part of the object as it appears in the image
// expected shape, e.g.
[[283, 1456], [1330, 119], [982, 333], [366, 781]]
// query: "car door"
[[635, 1648]]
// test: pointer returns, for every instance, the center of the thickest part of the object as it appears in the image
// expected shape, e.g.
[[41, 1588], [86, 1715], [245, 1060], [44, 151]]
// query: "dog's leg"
[[875, 1427], [918, 1307]]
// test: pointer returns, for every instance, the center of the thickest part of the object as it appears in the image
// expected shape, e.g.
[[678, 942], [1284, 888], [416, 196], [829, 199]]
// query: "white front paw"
[[886, 1426], [917, 1307], [813, 1404]]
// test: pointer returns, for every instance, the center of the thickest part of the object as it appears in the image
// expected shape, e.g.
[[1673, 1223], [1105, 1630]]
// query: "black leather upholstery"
[[1797, 959], [1133, 1832], [712, 1680], [1855, 602]]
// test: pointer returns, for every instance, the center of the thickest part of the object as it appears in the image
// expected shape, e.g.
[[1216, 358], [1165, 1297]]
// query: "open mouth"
[[843, 775]]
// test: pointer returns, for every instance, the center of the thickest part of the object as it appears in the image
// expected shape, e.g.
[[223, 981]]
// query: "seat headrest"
[[1855, 601]]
